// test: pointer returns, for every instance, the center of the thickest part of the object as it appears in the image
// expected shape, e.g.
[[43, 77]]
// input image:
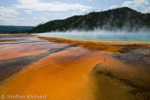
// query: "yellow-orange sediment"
[[107, 46], [68, 75], [61, 76]]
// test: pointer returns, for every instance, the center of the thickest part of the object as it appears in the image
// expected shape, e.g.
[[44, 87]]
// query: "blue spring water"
[[101, 36]]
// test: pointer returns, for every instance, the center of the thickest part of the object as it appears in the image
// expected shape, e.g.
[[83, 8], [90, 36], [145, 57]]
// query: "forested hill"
[[14, 29], [114, 19]]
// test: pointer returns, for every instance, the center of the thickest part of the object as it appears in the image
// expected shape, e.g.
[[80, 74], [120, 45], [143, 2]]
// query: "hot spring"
[[101, 35]]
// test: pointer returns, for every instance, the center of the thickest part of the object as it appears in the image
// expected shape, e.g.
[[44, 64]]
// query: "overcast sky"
[[34, 12]]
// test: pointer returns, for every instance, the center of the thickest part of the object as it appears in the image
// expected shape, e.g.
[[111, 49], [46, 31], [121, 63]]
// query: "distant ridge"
[[14, 29], [113, 19]]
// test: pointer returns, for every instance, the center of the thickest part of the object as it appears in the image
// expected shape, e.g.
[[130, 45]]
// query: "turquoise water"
[[101, 36]]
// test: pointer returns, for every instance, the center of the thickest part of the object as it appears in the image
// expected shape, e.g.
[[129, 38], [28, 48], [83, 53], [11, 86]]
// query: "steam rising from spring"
[[101, 35]]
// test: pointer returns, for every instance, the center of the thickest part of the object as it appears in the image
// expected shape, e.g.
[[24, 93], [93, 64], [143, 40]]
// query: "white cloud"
[[75, 13], [136, 3], [143, 5], [36, 5], [28, 11], [35, 18], [7, 12], [28, 1], [9, 16], [19, 21], [113, 7], [90, 0]]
